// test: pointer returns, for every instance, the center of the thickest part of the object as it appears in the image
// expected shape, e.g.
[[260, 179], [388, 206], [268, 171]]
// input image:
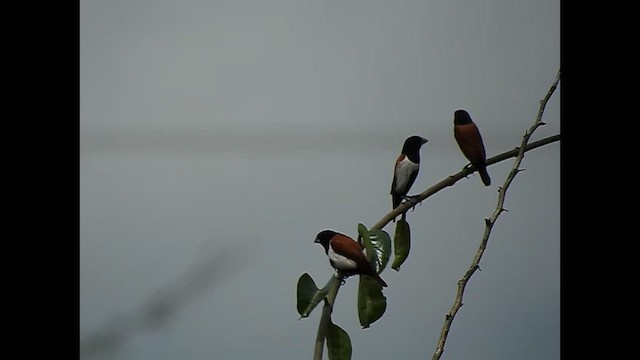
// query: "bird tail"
[[484, 175], [396, 200]]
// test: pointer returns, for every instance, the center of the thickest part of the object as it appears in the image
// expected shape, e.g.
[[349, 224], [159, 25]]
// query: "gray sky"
[[219, 137]]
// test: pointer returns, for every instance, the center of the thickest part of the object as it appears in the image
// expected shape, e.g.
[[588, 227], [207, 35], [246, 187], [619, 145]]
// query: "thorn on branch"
[[542, 123]]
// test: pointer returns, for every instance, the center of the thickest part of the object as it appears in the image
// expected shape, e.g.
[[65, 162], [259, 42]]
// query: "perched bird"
[[406, 169], [468, 137], [346, 255]]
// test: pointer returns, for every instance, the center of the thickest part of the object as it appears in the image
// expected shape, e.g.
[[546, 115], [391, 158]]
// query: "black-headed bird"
[[470, 142], [406, 169], [346, 255]]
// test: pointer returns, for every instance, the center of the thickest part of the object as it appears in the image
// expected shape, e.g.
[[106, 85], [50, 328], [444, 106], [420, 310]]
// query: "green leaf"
[[309, 295], [363, 234], [378, 246], [371, 303], [381, 242], [401, 244], [338, 343]]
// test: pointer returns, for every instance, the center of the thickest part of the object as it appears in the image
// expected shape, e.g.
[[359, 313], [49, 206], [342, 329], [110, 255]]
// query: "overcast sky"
[[219, 137]]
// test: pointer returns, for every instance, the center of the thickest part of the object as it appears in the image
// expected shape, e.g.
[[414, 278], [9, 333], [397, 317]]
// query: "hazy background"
[[219, 137]]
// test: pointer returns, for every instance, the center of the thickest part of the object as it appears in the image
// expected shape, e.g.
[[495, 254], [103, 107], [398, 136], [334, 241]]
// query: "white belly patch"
[[403, 171], [340, 262]]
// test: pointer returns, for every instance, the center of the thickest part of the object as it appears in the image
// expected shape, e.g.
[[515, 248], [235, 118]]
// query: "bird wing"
[[395, 171], [346, 246], [470, 142]]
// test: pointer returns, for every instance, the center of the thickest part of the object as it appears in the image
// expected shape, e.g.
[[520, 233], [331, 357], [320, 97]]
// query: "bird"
[[346, 255], [406, 168], [470, 142]]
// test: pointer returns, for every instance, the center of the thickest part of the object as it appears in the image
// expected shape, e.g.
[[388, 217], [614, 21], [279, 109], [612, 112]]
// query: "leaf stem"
[[334, 285]]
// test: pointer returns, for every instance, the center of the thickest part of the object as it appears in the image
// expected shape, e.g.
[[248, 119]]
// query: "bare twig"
[[462, 283], [452, 179]]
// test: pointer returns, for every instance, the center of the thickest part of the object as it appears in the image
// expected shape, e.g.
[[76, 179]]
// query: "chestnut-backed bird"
[[346, 255], [406, 169], [470, 142]]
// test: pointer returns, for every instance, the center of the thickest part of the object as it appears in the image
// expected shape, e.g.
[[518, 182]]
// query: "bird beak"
[[316, 241], [424, 141]]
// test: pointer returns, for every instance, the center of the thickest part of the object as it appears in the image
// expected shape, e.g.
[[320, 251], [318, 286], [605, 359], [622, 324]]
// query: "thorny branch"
[[462, 283]]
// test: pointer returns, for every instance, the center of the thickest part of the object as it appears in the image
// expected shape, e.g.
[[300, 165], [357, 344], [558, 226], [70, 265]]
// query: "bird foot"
[[412, 199], [342, 277]]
